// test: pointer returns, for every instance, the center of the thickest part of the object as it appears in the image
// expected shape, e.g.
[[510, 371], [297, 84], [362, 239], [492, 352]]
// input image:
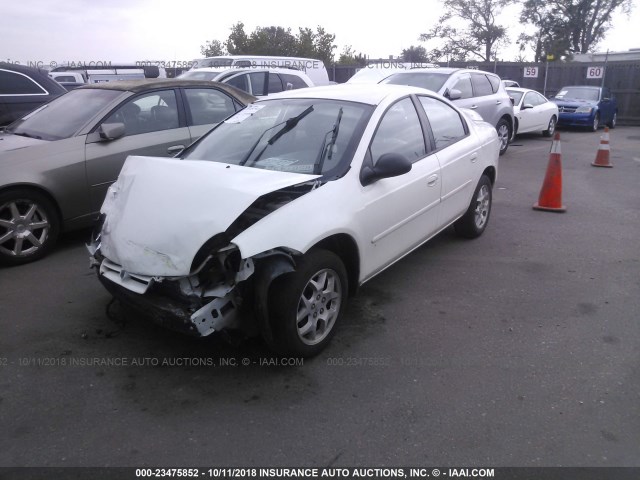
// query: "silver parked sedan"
[[57, 162]]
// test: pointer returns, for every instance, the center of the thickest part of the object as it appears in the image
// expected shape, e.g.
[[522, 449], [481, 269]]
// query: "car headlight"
[[584, 109]]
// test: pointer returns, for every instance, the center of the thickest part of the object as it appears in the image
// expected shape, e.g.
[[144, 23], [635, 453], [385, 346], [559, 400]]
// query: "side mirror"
[[111, 131], [526, 105], [388, 165], [513, 100], [454, 94]]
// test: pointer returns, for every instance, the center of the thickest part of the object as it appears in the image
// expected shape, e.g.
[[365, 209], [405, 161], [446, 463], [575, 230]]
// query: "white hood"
[[161, 211]]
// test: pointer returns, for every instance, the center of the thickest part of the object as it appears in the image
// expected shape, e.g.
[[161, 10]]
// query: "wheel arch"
[[38, 189], [491, 173], [346, 248]]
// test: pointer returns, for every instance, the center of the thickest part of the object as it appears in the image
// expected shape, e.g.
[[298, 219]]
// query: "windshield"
[[580, 93], [430, 80], [65, 115], [312, 136], [215, 62], [194, 75], [516, 95]]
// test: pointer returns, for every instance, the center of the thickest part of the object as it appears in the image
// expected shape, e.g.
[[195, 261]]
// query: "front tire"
[[29, 226], [596, 123], [504, 135], [305, 305], [474, 222], [551, 128]]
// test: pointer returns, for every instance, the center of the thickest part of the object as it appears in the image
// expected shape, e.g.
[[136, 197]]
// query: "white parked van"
[[256, 81], [315, 69]]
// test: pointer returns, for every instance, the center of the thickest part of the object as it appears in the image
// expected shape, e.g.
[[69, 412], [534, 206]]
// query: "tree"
[[276, 41], [481, 36], [349, 57], [214, 48], [414, 55], [568, 26], [238, 42]]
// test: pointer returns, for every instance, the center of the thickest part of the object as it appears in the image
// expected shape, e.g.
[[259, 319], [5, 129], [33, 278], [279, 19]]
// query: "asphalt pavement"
[[520, 348]]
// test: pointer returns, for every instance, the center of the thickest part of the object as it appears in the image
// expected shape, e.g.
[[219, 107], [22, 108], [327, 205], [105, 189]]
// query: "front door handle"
[[432, 180], [473, 107], [174, 149]]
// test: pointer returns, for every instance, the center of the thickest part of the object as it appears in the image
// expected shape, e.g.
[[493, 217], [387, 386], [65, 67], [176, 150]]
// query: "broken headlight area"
[[206, 301]]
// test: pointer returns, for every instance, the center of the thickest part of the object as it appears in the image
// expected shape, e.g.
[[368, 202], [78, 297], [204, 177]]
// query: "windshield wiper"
[[326, 151], [289, 124]]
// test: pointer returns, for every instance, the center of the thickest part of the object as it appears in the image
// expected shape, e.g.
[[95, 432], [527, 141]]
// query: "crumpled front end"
[[164, 241], [198, 304]]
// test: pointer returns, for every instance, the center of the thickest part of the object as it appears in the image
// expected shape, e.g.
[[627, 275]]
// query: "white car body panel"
[[163, 240]]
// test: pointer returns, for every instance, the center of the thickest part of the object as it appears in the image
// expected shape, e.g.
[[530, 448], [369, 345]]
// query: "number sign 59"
[[531, 72], [595, 72]]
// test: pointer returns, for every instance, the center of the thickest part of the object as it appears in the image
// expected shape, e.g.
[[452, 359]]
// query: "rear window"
[[495, 82], [14, 83], [430, 80], [481, 85]]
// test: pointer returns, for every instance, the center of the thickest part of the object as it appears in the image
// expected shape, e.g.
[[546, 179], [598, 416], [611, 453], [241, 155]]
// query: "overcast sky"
[[131, 30]]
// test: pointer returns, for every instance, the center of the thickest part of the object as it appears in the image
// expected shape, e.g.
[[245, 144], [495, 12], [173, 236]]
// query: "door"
[[399, 213], [485, 100], [152, 128], [457, 153]]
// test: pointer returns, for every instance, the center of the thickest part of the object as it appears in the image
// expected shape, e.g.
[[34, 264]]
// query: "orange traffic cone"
[[550, 199], [602, 157]]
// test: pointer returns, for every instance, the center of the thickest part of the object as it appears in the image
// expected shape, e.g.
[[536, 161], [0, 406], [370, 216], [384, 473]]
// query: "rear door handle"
[[473, 107], [498, 102], [474, 157], [432, 180], [175, 149]]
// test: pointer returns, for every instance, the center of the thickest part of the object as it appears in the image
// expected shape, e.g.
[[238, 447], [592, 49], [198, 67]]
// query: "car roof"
[[38, 74], [138, 86], [520, 89], [445, 70], [371, 94]]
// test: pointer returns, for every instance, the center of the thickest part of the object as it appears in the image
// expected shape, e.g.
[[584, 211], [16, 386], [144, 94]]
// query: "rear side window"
[[495, 82], [481, 85], [208, 105], [446, 124], [14, 83], [293, 80]]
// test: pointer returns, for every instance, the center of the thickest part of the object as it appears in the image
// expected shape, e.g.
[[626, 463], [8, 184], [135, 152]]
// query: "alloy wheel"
[[319, 306]]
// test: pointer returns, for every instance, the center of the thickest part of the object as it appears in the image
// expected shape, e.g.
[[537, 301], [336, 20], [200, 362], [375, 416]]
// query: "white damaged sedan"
[[269, 222]]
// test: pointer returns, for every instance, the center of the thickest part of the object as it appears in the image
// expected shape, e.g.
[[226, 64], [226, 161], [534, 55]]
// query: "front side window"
[[311, 136], [399, 131], [208, 105], [446, 124], [516, 95], [15, 83], [464, 86], [65, 115], [152, 112]]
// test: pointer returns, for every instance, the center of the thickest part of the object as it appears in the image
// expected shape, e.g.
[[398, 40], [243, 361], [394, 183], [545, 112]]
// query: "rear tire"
[[614, 120], [474, 222], [305, 305], [504, 135], [29, 226], [551, 128]]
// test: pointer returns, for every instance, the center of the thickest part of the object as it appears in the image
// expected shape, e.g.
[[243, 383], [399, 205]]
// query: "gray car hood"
[[9, 141], [161, 211]]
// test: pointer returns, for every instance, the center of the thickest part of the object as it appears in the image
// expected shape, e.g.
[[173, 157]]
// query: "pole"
[[604, 70], [546, 72]]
